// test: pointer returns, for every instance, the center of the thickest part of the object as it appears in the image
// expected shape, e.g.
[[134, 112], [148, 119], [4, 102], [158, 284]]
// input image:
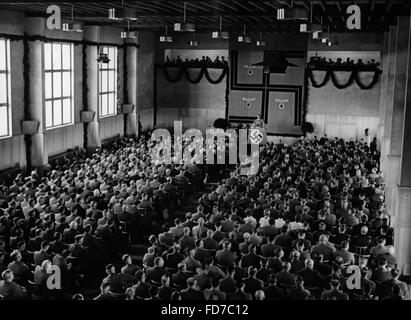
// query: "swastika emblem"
[[256, 136]]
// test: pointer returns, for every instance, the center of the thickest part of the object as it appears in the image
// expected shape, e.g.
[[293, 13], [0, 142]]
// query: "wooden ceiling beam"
[[257, 6]]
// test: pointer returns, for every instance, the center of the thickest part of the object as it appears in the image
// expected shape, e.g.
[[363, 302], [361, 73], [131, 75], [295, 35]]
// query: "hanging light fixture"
[[260, 42], [128, 34], [244, 38], [103, 57], [122, 13], [292, 13], [333, 41], [166, 37], [185, 26], [220, 34], [193, 42], [311, 27], [317, 34], [72, 26], [102, 54], [325, 37]]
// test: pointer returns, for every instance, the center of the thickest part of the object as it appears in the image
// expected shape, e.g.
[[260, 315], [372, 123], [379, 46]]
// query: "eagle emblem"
[[250, 69], [248, 102]]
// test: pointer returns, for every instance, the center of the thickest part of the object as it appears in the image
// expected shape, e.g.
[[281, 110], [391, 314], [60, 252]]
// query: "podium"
[[257, 135]]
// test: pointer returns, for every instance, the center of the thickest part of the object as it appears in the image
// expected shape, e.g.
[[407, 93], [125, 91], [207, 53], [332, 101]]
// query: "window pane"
[[3, 88], [56, 84], [66, 56], [57, 113], [112, 57], [104, 81], [56, 56], [3, 55], [66, 111], [112, 83], [3, 122], [111, 103], [49, 114], [104, 109], [66, 84], [47, 86], [47, 56]]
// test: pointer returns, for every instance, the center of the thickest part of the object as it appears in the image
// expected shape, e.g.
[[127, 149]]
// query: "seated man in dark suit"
[[155, 273], [105, 293], [165, 291], [299, 292], [252, 284], [192, 292], [272, 291], [250, 259], [334, 293], [363, 240], [312, 278], [57, 246], [228, 284], [70, 233], [40, 256], [285, 277], [267, 250], [129, 268], [118, 282], [10, 290], [20, 270], [385, 289], [225, 257], [240, 294], [180, 278]]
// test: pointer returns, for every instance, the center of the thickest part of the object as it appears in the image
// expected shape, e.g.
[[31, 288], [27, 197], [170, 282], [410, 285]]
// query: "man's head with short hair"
[[335, 282], [110, 269], [7, 275], [364, 230], [165, 280], [15, 255], [395, 273], [323, 239], [309, 263], [286, 266], [252, 271], [345, 245], [126, 259], [45, 245], [159, 262], [105, 288], [259, 295]]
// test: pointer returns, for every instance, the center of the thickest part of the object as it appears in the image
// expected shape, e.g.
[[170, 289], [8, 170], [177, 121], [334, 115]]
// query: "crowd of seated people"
[[205, 62], [322, 62], [80, 214], [290, 232]]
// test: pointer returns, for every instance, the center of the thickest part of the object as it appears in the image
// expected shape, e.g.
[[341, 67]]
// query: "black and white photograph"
[[205, 154]]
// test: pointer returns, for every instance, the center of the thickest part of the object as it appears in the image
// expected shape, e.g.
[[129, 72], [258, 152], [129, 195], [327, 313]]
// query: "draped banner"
[[192, 77], [354, 76]]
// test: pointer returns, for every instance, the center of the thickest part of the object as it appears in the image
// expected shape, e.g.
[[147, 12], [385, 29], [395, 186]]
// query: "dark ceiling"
[[258, 15]]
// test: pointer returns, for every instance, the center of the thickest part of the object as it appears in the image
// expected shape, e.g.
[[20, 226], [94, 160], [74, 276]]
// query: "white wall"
[[346, 113]]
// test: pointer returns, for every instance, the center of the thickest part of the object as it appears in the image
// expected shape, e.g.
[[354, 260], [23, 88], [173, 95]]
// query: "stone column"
[[91, 33], [403, 207], [384, 85], [395, 108], [396, 149], [35, 27], [131, 67]]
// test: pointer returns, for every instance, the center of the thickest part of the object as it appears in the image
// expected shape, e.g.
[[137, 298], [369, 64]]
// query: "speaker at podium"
[[258, 131]]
